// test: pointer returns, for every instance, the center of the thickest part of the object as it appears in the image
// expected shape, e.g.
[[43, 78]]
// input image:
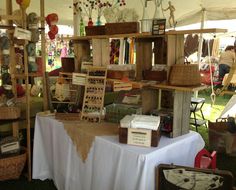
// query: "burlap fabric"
[[83, 134]]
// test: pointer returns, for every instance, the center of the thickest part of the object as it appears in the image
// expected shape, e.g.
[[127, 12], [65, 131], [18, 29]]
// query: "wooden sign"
[[158, 26]]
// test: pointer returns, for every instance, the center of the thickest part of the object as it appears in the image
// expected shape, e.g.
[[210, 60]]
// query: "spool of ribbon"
[[4, 46], [32, 20], [6, 79], [4, 43], [31, 50]]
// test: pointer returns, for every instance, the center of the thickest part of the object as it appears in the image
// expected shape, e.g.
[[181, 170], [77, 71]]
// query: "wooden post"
[[181, 114], [82, 51], [24, 25], [12, 48], [75, 19], [175, 50], [101, 51], [43, 54], [143, 57], [149, 100], [159, 50], [9, 11]]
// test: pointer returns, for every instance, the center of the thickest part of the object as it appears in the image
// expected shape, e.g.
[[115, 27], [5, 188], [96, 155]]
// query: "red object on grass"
[[205, 159]]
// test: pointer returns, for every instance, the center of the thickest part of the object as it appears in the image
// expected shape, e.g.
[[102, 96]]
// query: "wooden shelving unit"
[[25, 75], [168, 49]]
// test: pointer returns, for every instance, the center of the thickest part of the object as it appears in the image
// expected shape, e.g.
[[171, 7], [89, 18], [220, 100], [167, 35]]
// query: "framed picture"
[[158, 26]]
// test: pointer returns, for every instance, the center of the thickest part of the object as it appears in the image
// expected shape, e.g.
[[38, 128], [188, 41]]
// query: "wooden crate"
[[122, 28], [95, 30], [120, 74], [155, 136], [155, 75], [67, 64], [67, 116]]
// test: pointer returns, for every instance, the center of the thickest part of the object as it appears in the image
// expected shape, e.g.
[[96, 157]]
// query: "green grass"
[[212, 112]]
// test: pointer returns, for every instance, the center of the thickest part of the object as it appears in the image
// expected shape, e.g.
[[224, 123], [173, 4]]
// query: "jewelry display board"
[[94, 94]]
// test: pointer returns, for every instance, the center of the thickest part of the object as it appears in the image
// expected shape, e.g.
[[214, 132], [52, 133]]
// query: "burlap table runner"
[[83, 134]]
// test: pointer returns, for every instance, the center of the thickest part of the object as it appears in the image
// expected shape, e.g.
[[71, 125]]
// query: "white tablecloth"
[[110, 165]]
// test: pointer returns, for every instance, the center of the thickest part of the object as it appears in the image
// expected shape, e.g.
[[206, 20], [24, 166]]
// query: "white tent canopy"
[[230, 108], [187, 12]]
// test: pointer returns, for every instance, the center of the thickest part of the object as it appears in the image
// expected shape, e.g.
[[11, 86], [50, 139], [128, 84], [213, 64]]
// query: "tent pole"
[[200, 44], [201, 35], [76, 20]]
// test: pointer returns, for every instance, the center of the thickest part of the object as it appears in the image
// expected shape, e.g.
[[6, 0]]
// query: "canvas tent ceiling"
[[187, 12]]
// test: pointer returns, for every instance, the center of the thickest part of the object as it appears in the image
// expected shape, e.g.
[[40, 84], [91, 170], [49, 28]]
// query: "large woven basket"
[[184, 75], [11, 167], [10, 112]]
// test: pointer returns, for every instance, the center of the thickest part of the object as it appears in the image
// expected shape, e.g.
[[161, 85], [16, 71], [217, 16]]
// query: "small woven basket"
[[184, 75], [11, 167], [10, 112]]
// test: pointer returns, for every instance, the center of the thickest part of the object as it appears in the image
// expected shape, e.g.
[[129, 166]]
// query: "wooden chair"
[[205, 159]]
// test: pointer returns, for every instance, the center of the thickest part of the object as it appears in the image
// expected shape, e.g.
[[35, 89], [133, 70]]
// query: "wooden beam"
[[43, 54], [9, 11]]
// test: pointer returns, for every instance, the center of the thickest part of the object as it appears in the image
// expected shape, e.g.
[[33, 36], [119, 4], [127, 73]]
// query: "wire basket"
[[12, 166], [10, 112]]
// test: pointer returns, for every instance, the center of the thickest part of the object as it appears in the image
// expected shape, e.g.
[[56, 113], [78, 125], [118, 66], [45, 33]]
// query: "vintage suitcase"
[[173, 177]]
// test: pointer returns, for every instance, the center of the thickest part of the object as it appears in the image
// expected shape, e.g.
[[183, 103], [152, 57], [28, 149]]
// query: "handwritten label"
[[22, 34], [78, 78], [139, 137]]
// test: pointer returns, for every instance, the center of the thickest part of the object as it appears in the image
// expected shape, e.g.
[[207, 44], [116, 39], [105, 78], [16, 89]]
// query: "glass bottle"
[[98, 22], [82, 28], [90, 22]]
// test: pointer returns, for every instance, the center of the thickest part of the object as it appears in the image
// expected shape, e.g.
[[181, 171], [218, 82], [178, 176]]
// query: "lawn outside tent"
[[212, 112]]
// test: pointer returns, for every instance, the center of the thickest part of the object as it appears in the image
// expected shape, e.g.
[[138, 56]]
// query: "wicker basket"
[[11, 167], [9, 112], [184, 75]]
